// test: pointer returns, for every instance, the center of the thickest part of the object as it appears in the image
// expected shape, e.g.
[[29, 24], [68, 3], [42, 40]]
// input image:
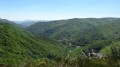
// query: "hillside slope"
[[18, 45], [79, 31]]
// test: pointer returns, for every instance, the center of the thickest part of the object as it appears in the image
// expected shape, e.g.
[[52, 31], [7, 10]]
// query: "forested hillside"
[[19, 46], [79, 31]]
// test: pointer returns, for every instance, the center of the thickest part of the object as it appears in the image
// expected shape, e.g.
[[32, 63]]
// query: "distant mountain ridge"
[[27, 23]]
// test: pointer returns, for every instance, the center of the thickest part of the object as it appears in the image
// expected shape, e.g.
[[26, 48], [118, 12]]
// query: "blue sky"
[[58, 9]]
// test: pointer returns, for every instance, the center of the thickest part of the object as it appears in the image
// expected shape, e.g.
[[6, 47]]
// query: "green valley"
[[80, 41]]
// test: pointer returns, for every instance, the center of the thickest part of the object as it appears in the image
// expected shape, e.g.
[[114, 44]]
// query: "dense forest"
[[18, 46], [78, 42]]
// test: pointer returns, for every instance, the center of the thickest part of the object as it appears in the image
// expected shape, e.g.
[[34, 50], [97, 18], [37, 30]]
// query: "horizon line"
[[55, 19]]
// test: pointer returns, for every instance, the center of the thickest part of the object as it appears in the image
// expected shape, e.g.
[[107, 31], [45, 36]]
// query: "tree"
[[115, 51]]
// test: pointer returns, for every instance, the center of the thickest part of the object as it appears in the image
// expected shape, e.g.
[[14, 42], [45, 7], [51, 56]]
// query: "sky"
[[58, 9]]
